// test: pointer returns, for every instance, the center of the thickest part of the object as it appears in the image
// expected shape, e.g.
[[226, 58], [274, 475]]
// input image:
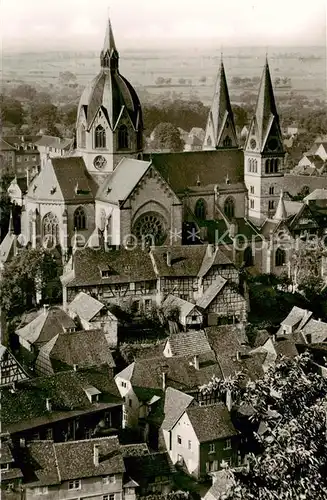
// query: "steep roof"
[[185, 307], [317, 194], [86, 306], [63, 179], [180, 372], [41, 466], [175, 405], [185, 260], [295, 316], [211, 423], [146, 467], [123, 180], [124, 266], [281, 213], [25, 407], [188, 343], [86, 348], [211, 292], [17, 373], [46, 325], [316, 331], [182, 170], [75, 458]]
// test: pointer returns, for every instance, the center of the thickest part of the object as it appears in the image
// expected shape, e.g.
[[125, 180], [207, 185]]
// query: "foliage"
[[291, 402], [31, 273], [11, 111], [167, 136]]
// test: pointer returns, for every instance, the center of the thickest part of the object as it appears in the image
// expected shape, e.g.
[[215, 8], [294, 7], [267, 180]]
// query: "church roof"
[[266, 106], [281, 213], [63, 179], [124, 179], [182, 170]]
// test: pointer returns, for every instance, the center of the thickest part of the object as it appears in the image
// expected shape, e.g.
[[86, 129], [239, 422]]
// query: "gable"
[[273, 132], [45, 185]]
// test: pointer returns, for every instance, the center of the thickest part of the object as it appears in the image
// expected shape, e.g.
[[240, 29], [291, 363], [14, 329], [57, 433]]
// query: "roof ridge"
[[56, 461]]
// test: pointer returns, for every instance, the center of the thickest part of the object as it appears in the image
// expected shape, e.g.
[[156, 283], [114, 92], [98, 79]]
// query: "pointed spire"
[[266, 106], [281, 213], [220, 131], [109, 54]]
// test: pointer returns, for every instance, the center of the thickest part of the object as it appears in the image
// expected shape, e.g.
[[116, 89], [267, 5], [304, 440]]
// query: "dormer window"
[[53, 190], [92, 393], [106, 273]]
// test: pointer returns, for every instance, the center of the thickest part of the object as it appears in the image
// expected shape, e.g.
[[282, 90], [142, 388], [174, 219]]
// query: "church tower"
[[109, 118], [264, 154], [220, 130]]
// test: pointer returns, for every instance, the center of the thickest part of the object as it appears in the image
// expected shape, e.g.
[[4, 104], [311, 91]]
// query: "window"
[[189, 445], [251, 203], [4, 466], [100, 137], [212, 448], [109, 497], [82, 137], [130, 402], [271, 205], [50, 227], [194, 317], [252, 189], [123, 384], [253, 165], [280, 257], [227, 141], [41, 490], [179, 440], [19, 159], [122, 137], [228, 444], [129, 491], [248, 257], [227, 460], [26, 158], [49, 434], [209, 142], [229, 208], [271, 190], [79, 219], [74, 485], [200, 209], [109, 479]]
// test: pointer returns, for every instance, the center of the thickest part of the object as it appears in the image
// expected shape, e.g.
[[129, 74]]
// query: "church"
[[108, 189]]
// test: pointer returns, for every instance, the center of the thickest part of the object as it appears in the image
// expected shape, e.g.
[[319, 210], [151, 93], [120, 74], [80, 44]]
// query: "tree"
[[290, 402], [24, 91], [31, 273], [167, 136], [11, 111]]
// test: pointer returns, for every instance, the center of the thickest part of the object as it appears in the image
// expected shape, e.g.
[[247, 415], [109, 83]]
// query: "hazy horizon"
[[79, 25]]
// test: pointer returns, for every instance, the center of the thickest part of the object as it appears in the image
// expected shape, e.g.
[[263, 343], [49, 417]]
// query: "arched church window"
[[229, 208], [100, 137], [280, 257], [200, 209], [227, 141], [248, 257], [276, 165], [122, 137], [82, 137], [267, 166], [50, 227], [79, 219], [102, 220], [255, 166]]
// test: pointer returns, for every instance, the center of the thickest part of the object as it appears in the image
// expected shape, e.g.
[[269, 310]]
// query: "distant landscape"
[[190, 73]]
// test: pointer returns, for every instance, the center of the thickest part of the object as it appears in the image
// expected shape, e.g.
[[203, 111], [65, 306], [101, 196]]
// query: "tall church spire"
[[266, 111], [220, 131], [109, 55], [281, 213]]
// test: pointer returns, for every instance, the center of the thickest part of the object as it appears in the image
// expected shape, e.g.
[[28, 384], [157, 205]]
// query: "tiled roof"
[[146, 467], [46, 325], [295, 316], [125, 266], [180, 373], [6, 146], [185, 307], [55, 142], [85, 306], [317, 194], [285, 347], [86, 348], [221, 486], [41, 464], [25, 407], [189, 343], [211, 292], [182, 170], [261, 338], [132, 450], [211, 423], [75, 458], [317, 331], [218, 258], [123, 180], [185, 260], [176, 403]]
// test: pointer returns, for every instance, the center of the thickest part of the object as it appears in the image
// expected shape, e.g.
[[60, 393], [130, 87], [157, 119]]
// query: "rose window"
[[150, 228], [99, 162]]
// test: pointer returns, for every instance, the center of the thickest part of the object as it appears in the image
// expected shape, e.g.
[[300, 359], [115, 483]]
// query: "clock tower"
[[264, 155]]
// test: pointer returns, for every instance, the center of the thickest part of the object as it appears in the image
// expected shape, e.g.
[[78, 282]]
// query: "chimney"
[[164, 381], [48, 404], [75, 368], [168, 258], [229, 399], [96, 454], [210, 250], [196, 362]]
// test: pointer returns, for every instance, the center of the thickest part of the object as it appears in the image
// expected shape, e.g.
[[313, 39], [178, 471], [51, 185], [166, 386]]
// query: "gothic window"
[[248, 257], [267, 167], [250, 164], [79, 219], [150, 229], [227, 141], [50, 227], [100, 137], [82, 137], [271, 205], [271, 190], [122, 137], [255, 166], [280, 257], [276, 165], [251, 203], [252, 189], [200, 209], [102, 220], [229, 208]]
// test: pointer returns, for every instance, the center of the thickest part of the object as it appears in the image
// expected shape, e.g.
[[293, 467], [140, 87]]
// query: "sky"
[[80, 24]]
